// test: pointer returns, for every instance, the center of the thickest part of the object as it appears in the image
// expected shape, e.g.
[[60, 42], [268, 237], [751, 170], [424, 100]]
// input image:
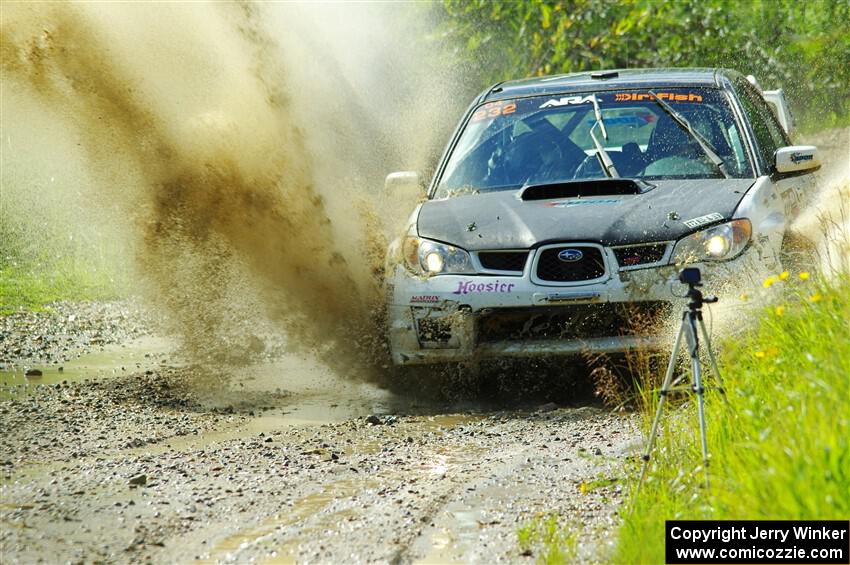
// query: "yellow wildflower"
[[759, 354], [816, 297], [784, 275], [779, 310], [744, 296], [804, 276], [768, 282]]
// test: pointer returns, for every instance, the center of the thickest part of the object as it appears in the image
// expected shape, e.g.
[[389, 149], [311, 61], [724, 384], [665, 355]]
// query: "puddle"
[[266, 397], [455, 534], [113, 360], [320, 407], [307, 393], [441, 421]]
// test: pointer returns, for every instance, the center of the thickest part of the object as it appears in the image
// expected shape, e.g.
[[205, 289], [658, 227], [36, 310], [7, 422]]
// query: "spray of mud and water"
[[233, 156], [825, 224], [235, 151]]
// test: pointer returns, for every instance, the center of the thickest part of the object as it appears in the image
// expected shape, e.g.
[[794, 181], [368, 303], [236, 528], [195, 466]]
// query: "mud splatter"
[[205, 135], [826, 222]]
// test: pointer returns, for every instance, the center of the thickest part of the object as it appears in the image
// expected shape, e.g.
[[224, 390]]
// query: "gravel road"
[[284, 462], [66, 331]]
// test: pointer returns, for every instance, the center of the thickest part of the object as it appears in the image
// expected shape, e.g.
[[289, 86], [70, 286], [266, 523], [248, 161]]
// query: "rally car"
[[564, 206]]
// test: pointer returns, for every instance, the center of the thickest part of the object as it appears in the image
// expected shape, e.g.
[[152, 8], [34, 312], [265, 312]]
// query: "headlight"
[[426, 257], [718, 243]]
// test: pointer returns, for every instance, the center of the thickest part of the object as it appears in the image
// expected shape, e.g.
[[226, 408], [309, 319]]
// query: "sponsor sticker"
[[799, 157], [567, 101], [580, 202], [668, 96], [475, 287], [425, 299], [703, 220]]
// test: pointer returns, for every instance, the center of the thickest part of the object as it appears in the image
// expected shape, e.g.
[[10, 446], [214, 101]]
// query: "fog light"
[[434, 262], [717, 246]]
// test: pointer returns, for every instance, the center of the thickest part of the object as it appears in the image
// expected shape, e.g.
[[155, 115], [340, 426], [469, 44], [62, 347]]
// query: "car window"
[[544, 139], [736, 143], [768, 132]]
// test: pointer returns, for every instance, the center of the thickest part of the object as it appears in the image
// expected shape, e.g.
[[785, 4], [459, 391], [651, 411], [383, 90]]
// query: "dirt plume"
[[826, 222], [211, 142]]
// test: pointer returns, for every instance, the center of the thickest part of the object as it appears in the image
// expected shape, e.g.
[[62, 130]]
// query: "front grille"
[[574, 321], [639, 254], [551, 268], [503, 260]]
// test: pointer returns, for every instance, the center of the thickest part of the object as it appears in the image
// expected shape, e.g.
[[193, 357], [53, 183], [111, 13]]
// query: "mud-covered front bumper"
[[458, 318]]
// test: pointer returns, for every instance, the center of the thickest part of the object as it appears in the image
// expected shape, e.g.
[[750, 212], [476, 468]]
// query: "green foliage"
[[781, 449], [803, 47]]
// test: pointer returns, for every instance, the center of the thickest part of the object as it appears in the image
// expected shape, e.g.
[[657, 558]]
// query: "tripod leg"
[[693, 351], [712, 359], [668, 379]]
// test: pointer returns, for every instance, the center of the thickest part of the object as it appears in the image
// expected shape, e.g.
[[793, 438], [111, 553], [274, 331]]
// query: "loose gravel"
[[65, 331], [162, 466]]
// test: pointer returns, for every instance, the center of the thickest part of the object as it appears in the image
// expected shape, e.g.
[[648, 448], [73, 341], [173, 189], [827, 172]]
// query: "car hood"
[[501, 220]]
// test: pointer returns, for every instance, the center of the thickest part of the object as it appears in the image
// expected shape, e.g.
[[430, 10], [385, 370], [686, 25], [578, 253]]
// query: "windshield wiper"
[[702, 141], [604, 159]]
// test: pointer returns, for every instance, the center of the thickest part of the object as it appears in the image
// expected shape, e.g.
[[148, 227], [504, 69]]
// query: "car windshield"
[[547, 139]]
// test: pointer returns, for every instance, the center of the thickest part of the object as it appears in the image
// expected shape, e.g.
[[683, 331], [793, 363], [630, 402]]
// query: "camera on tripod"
[[691, 276], [691, 330]]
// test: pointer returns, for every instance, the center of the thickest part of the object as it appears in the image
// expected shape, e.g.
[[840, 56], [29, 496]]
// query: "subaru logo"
[[570, 255]]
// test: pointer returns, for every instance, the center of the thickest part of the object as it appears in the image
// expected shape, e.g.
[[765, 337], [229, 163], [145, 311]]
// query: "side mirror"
[[404, 181], [795, 158]]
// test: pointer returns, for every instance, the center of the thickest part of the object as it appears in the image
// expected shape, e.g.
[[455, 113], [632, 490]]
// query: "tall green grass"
[[31, 287], [781, 448], [51, 262]]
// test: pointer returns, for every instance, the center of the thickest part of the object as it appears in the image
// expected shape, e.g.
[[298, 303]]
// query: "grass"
[[34, 286], [548, 540], [40, 264], [781, 449]]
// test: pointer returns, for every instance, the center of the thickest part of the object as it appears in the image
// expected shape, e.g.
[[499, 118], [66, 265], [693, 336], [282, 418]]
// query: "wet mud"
[[229, 157], [288, 462]]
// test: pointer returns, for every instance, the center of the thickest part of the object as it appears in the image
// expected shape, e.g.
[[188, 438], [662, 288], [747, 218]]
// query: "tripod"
[[691, 320]]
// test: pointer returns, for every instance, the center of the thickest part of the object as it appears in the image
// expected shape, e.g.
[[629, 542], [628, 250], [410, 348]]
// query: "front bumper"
[[458, 318]]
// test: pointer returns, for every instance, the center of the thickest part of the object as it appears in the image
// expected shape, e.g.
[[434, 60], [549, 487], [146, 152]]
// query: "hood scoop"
[[594, 187]]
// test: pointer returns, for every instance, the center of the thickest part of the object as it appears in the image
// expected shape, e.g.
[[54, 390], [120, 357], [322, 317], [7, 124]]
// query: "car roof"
[[616, 79]]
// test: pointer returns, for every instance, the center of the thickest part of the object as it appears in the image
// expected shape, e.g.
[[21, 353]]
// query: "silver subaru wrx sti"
[[563, 206]]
